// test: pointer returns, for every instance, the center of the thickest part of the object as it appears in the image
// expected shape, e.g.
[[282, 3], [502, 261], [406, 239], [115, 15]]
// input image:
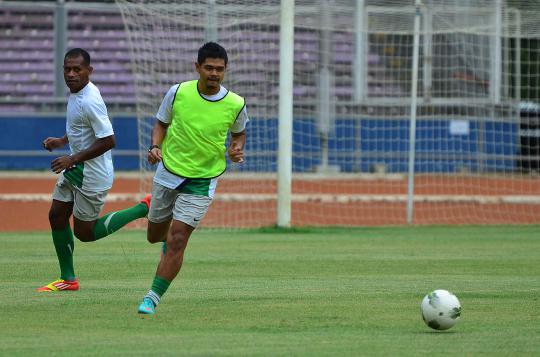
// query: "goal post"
[[286, 71], [375, 113]]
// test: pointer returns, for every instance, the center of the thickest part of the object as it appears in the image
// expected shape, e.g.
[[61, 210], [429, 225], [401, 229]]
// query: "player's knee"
[[84, 234], [84, 237], [175, 248], [157, 232], [178, 242], [57, 219], [154, 238]]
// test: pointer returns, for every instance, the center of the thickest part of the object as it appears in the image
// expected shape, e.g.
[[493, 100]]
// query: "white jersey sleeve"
[[240, 123], [96, 113], [164, 113]]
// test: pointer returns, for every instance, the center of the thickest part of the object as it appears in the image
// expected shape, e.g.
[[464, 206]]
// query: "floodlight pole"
[[427, 54], [60, 35], [326, 110], [210, 30], [286, 65], [361, 48], [496, 54], [518, 57]]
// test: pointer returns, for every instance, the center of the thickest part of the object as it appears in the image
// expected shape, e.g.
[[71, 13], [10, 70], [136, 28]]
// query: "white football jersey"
[[86, 121]]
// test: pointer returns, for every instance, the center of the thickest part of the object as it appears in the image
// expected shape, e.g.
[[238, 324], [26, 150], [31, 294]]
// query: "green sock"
[[113, 221], [160, 285], [64, 245]]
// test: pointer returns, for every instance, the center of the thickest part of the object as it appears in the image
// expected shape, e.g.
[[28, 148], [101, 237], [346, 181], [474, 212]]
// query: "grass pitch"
[[309, 292]]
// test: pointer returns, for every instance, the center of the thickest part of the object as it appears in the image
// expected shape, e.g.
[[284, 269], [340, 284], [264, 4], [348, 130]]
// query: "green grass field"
[[313, 292]]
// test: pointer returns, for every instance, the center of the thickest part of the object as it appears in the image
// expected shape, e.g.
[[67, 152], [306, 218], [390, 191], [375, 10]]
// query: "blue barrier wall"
[[25, 133], [354, 146]]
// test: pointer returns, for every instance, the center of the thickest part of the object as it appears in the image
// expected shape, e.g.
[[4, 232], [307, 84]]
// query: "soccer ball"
[[440, 309]]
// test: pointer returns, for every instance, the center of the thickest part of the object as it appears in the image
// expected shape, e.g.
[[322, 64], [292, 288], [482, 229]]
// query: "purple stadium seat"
[[26, 66], [25, 77], [103, 66], [111, 34], [303, 91], [117, 90], [6, 88]]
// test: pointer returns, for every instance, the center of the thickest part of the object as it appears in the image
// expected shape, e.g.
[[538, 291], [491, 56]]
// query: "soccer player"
[[86, 174], [188, 141]]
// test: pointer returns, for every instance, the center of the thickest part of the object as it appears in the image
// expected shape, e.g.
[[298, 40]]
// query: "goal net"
[[421, 112]]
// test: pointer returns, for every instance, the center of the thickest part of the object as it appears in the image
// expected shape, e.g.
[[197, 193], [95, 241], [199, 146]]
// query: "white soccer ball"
[[440, 309]]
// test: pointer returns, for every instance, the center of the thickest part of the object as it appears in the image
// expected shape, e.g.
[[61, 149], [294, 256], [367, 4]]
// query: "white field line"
[[308, 198], [312, 176]]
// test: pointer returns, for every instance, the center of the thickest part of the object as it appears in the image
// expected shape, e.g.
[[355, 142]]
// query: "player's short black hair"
[[211, 50], [76, 52]]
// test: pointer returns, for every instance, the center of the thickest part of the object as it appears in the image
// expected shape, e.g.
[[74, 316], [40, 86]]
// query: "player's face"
[[76, 73], [211, 74]]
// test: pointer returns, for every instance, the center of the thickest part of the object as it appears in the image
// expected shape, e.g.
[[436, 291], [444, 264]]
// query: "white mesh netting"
[[476, 142]]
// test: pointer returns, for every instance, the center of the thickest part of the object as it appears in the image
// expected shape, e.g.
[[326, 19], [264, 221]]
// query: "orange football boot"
[[60, 285]]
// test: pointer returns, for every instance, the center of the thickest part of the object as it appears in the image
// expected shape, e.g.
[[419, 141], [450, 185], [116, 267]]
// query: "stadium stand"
[[27, 58]]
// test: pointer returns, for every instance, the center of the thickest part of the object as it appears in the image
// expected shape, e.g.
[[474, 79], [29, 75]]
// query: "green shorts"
[[170, 203], [86, 204]]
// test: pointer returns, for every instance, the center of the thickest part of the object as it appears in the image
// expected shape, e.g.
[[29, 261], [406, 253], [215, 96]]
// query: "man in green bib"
[[188, 144]]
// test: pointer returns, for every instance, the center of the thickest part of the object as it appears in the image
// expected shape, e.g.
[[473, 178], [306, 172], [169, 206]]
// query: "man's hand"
[[61, 163], [53, 143], [236, 153], [154, 155]]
